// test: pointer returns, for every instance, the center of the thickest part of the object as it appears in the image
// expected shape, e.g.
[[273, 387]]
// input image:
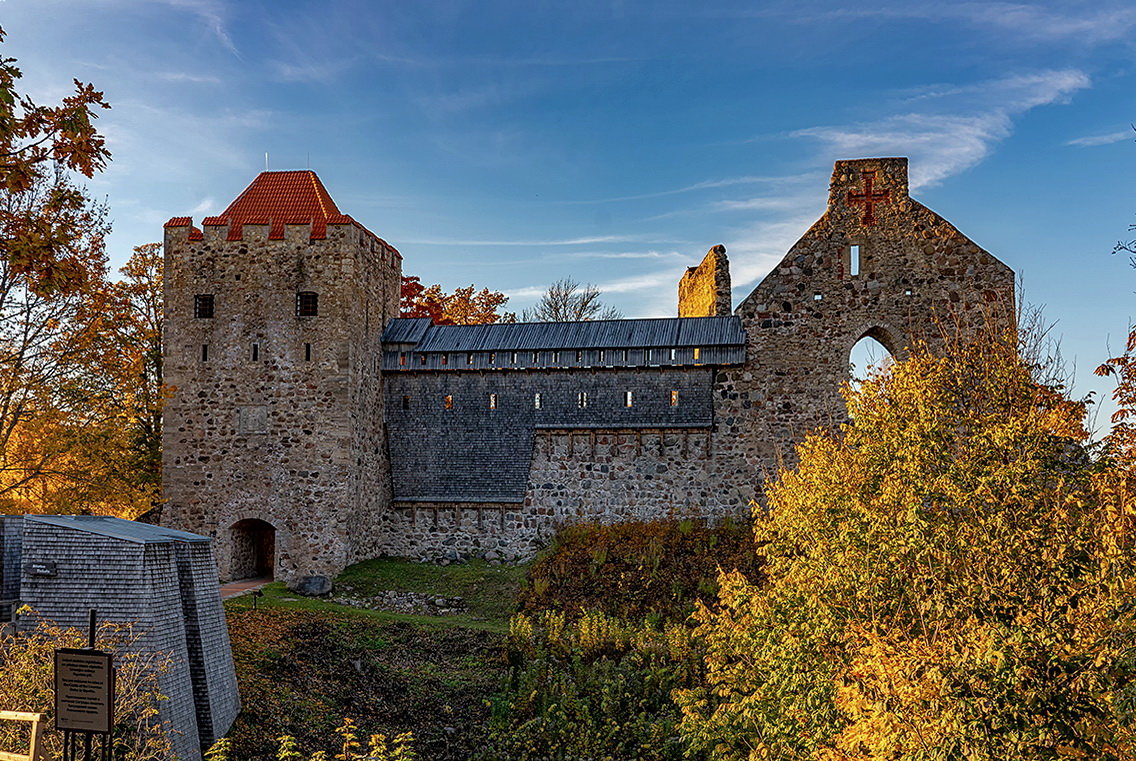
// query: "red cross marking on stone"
[[869, 198]]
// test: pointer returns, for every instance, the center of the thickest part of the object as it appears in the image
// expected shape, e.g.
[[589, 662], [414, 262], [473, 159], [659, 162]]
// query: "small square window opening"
[[203, 305], [307, 304]]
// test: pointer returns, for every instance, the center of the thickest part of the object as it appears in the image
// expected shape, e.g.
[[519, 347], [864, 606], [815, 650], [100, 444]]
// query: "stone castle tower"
[[310, 427], [273, 313]]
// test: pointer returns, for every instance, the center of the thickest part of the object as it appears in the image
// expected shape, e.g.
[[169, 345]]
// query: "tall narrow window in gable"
[[203, 305], [307, 304], [854, 260]]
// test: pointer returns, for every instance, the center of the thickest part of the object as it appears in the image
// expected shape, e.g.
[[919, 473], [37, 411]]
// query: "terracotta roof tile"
[[278, 199], [291, 197]]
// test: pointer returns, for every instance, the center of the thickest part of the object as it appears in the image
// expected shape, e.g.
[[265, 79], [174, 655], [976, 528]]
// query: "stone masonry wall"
[[916, 273], [704, 291], [291, 438]]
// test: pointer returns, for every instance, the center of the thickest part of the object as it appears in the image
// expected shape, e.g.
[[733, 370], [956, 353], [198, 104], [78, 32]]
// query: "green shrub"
[[655, 570], [594, 688]]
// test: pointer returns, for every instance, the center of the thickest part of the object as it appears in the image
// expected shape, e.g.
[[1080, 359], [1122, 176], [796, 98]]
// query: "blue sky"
[[509, 144]]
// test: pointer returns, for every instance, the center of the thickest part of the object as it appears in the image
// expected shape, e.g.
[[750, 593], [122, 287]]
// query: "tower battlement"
[[258, 230]]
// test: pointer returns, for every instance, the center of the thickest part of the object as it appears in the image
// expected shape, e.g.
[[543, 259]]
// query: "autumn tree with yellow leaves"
[[950, 576]]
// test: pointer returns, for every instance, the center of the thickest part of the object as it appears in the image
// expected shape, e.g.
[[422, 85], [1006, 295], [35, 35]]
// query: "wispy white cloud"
[[310, 71], [211, 12], [957, 131], [1027, 22], [1091, 141], [530, 242], [206, 205], [704, 185], [182, 76]]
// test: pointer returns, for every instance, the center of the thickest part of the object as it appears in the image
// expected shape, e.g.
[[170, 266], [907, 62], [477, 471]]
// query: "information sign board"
[[84, 690]]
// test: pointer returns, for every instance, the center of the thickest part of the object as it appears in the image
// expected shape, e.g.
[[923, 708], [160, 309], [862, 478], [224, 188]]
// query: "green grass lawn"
[[303, 664], [490, 592]]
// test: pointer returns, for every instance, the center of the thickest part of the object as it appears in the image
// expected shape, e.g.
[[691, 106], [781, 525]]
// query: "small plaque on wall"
[[254, 419]]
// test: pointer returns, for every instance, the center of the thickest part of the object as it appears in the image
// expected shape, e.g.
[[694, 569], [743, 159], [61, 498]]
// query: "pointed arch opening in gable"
[[875, 350]]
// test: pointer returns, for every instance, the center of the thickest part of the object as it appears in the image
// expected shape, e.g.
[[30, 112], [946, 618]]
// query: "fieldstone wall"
[[917, 275], [704, 291], [301, 443], [293, 436]]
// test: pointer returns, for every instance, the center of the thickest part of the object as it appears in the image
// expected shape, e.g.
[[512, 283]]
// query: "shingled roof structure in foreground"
[[160, 580]]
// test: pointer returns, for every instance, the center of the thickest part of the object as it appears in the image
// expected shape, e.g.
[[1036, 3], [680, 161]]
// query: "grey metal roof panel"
[[117, 528], [597, 334], [710, 331], [406, 330]]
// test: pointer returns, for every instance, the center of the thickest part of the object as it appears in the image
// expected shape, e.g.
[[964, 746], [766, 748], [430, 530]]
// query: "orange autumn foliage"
[[950, 575]]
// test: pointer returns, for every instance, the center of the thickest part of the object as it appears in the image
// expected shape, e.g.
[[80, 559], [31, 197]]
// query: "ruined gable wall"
[[282, 439], [916, 269], [704, 291]]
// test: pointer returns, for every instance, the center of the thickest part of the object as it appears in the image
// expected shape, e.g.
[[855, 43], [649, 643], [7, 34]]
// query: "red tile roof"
[[292, 197], [295, 197]]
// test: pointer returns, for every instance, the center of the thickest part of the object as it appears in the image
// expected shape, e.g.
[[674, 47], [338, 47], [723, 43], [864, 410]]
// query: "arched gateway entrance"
[[254, 550]]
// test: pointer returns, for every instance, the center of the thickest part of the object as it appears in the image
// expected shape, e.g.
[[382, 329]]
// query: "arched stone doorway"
[[254, 550]]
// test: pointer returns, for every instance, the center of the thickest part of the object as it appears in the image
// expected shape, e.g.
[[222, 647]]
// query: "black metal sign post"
[[84, 699]]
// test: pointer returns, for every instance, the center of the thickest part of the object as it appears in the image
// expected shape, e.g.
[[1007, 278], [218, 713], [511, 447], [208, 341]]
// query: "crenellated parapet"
[[338, 227]]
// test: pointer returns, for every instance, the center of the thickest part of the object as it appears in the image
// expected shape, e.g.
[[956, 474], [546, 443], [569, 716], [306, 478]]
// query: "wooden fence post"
[[35, 743]]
